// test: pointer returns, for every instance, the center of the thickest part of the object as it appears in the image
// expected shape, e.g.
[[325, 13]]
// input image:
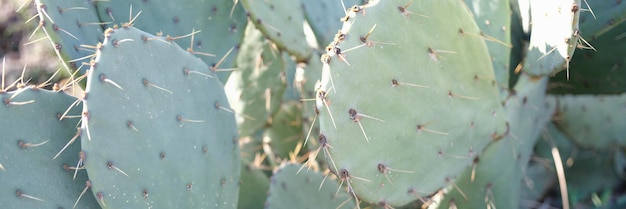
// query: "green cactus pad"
[[70, 25], [554, 35], [254, 187], [323, 16], [593, 121], [286, 129], [305, 189], [220, 22], [157, 127], [601, 17], [281, 22], [493, 17], [32, 135], [597, 72], [405, 113], [494, 181], [257, 79]]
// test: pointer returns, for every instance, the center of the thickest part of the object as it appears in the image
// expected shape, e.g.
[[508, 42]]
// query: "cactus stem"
[[87, 186], [148, 84], [68, 143], [111, 166], [21, 195]]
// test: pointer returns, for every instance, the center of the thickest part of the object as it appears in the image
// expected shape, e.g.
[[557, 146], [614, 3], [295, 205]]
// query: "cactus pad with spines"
[[407, 100], [305, 189], [494, 179], [593, 121], [70, 25], [32, 135], [157, 128], [281, 22], [323, 16], [554, 35], [256, 89], [221, 24]]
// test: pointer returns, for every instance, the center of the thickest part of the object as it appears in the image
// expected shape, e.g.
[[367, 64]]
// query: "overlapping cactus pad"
[[157, 127], [290, 188], [219, 24], [32, 135], [408, 98]]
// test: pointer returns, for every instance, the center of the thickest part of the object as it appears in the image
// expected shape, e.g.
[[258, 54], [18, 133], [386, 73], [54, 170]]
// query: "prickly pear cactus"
[[157, 130], [39, 152], [71, 26], [290, 188], [593, 121], [281, 22], [217, 25], [323, 16], [555, 35], [256, 89], [494, 179], [254, 187], [286, 130], [494, 20], [407, 99], [598, 71]]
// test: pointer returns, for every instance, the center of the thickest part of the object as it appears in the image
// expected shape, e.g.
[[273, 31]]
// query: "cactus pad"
[[32, 135], [157, 127], [407, 99]]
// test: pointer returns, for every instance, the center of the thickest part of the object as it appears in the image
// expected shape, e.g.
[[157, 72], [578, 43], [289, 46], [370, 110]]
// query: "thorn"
[[22, 144], [100, 198], [396, 83], [356, 117], [103, 78], [130, 21], [558, 164], [111, 166], [131, 126], [57, 28], [215, 67], [85, 119], [21, 195], [450, 94], [448, 180], [74, 104], [186, 71], [434, 54], [421, 127], [68, 143], [322, 96], [181, 120], [148, 84], [87, 186], [2, 167], [386, 170], [414, 192], [317, 112], [81, 160]]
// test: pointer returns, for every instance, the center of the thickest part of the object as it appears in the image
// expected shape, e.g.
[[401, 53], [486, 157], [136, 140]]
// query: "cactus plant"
[[143, 117], [404, 134], [292, 189], [70, 26], [218, 26], [39, 152], [281, 22]]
